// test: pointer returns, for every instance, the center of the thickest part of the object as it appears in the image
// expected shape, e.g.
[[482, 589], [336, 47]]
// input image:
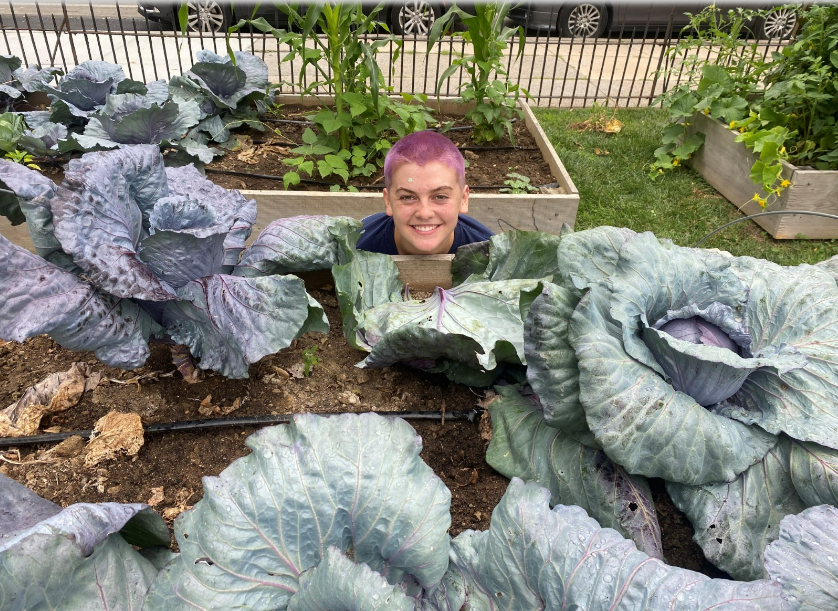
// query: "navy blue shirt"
[[379, 234]]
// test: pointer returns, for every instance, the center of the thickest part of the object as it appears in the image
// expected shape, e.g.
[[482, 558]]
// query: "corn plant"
[[355, 133], [495, 97]]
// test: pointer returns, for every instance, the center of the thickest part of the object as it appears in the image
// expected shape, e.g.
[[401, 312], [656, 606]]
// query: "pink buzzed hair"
[[422, 148]]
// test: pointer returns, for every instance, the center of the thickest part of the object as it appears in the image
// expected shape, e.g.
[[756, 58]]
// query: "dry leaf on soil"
[[56, 393], [115, 433], [157, 496], [207, 408]]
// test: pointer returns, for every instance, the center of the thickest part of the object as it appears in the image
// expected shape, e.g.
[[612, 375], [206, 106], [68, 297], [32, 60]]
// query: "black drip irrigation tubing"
[[507, 147], [759, 214], [310, 181], [189, 426]]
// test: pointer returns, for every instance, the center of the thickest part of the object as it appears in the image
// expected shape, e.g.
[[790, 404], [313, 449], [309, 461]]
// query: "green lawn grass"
[[615, 189]]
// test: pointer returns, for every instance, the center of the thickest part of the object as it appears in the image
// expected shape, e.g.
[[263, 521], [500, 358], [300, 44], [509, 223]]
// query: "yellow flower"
[[706, 111], [675, 162], [741, 130], [761, 202], [785, 183], [660, 171], [755, 197], [732, 124], [782, 149]]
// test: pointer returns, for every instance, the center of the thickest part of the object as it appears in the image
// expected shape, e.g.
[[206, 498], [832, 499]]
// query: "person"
[[425, 200]]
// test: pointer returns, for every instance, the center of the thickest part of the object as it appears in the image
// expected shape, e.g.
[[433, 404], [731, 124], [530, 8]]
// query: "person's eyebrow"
[[442, 188]]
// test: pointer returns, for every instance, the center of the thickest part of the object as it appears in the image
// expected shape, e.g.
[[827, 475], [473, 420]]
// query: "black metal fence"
[[628, 67]]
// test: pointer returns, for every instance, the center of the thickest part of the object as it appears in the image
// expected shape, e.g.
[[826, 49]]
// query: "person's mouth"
[[425, 229]]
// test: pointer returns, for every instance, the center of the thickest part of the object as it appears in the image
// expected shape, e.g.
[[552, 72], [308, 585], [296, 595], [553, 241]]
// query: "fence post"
[[69, 33], [666, 40]]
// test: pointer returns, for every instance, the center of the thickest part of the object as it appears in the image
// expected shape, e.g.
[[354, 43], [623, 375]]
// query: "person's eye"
[[406, 198]]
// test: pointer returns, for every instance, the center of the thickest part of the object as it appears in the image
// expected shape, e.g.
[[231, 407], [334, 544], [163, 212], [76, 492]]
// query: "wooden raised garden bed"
[[537, 211], [726, 164], [543, 212]]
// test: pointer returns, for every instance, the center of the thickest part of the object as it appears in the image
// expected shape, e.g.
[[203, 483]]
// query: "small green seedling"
[[23, 158], [518, 183], [310, 359]]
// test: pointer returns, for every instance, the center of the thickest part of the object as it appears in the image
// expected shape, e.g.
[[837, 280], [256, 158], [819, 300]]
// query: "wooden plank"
[[816, 191], [499, 212], [547, 151], [419, 272], [726, 164], [425, 272]]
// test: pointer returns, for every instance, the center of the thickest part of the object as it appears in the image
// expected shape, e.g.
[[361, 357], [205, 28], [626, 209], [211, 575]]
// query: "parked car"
[[404, 17], [594, 19]]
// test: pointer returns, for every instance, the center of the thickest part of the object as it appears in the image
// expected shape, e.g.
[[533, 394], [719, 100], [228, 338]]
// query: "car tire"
[[584, 19], [413, 17], [778, 24], [208, 17]]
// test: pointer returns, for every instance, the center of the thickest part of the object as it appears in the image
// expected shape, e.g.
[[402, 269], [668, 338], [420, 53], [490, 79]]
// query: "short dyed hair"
[[422, 148]]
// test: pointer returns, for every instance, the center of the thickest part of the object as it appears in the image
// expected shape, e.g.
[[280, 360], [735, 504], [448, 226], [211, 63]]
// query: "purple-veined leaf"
[[39, 297], [98, 214], [231, 322]]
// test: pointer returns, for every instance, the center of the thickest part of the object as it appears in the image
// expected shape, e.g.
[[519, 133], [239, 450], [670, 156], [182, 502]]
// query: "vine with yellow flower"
[[783, 107]]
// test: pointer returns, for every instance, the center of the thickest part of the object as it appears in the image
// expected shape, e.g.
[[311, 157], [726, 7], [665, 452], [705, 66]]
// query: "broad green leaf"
[[534, 558], [524, 445], [641, 422], [814, 473], [586, 257], [450, 323], [366, 280], [552, 368], [289, 179], [354, 482], [797, 306], [730, 108], [298, 244], [338, 584], [76, 560], [734, 521], [802, 559], [230, 322]]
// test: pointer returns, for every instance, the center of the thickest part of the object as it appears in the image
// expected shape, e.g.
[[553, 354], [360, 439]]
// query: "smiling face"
[[425, 202]]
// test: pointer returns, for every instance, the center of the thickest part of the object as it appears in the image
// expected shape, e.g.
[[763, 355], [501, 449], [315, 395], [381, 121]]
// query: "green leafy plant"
[[517, 183], [12, 127], [352, 136], [23, 158], [494, 96], [783, 108], [310, 359]]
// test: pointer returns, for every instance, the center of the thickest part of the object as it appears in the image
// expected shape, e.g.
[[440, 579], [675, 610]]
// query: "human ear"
[[464, 204], [388, 209]]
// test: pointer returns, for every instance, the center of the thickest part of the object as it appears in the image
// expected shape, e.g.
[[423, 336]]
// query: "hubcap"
[[416, 17], [584, 20], [779, 23], [205, 16]]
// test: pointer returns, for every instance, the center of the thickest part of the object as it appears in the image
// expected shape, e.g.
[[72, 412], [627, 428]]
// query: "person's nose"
[[425, 211]]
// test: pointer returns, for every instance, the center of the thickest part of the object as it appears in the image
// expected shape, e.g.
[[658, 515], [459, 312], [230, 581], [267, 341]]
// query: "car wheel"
[[413, 17], [583, 20], [205, 17], [778, 24]]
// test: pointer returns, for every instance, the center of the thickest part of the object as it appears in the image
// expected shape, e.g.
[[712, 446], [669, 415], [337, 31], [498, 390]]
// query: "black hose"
[[215, 423], [769, 213]]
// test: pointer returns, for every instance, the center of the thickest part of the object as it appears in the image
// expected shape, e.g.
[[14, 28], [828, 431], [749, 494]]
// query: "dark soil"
[[177, 461], [263, 152]]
